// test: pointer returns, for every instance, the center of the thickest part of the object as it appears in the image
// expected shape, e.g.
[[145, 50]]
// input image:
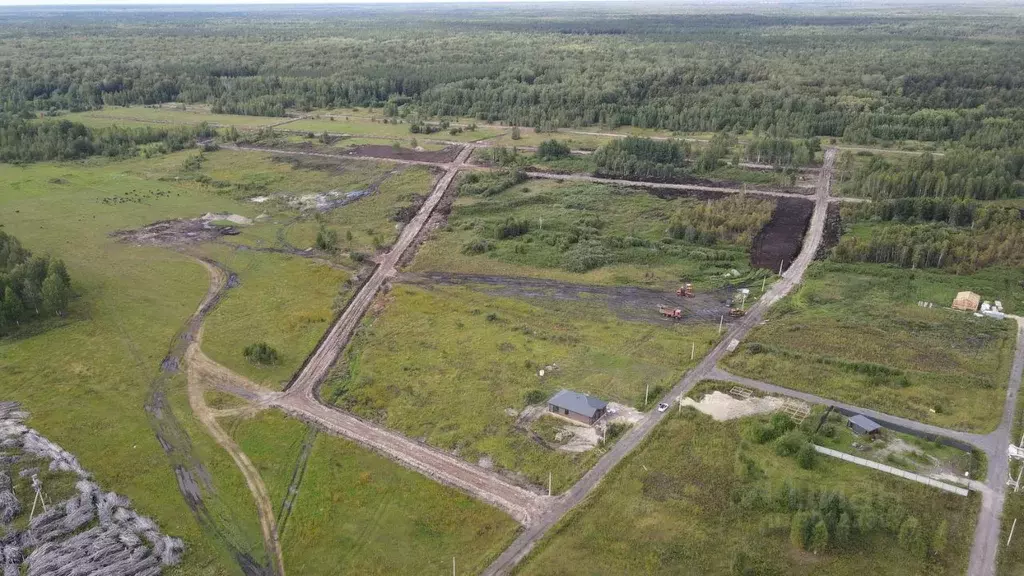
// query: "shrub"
[[478, 246], [552, 150], [261, 353], [585, 256], [807, 457], [534, 397], [326, 239], [512, 228]]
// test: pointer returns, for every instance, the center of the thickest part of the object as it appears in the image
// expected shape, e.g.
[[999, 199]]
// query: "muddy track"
[[629, 303], [199, 371], [194, 480], [293, 487]]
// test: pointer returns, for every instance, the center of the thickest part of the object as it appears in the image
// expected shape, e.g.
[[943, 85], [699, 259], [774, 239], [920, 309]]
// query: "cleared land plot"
[[373, 221], [598, 234], [284, 301], [167, 114], [700, 498], [457, 367], [85, 379], [362, 126], [855, 333]]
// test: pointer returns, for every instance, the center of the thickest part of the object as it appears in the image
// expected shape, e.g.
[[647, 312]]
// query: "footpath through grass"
[[855, 333], [702, 497], [359, 513], [86, 381], [284, 301], [455, 367]]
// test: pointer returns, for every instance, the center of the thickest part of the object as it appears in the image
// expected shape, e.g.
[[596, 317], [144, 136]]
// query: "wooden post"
[[453, 565], [549, 483], [720, 322], [763, 282], [1011, 532], [693, 349], [781, 262], [646, 394]]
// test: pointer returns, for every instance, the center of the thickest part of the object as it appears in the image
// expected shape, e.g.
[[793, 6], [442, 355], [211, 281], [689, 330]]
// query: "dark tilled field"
[[626, 302], [447, 154], [779, 241]]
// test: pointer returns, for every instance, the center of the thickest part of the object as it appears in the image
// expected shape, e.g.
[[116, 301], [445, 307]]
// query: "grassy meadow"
[[427, 347], [855, 333], [86, 378], [701, 497], [372, 126], [359, 513], [597, 234], [285, 301], [135, 116]]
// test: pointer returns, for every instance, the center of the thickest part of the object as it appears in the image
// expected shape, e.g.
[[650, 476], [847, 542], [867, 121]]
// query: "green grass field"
[[359, 513], [619, 236], [453, 366], [369, 126], [133, 116], [285, 301], [698, 497], [855, 333], [85, 381]]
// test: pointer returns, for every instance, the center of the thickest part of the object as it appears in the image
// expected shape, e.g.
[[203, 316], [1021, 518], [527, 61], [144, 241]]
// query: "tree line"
[[863, 78], [31, 287], [23, 140]]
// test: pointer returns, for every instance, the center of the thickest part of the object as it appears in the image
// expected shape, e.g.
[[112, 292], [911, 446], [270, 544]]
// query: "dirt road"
[[301, 399], [199, 373], [792, 277]]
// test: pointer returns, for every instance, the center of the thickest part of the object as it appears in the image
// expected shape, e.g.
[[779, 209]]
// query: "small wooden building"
[[863, 426], [578, 407], [968, 301]]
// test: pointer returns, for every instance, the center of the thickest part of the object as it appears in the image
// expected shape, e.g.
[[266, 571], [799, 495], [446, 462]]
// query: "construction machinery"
[[736, 312], [673, 313], [685, 290]]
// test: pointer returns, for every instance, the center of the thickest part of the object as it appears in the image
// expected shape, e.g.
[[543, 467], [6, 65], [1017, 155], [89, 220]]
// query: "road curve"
[[522, 545]]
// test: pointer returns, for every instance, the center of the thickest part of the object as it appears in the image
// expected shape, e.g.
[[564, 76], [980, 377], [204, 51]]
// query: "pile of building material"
[[91, 533]]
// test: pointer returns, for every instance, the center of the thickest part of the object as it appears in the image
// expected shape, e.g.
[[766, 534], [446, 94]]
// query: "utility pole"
[[453, 565], [781, 262], [763, 282], [647, 393], [693, 349], [720, 322], [549, 483], [1011, 532]]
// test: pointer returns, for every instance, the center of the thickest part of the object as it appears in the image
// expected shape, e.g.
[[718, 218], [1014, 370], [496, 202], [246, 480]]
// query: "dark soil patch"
[[833, 230], [626, 302], [174, 232], [671, 193], [780, 240], [444, 155]]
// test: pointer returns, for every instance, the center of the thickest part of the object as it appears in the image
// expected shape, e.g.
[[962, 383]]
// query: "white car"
[[662, 407]]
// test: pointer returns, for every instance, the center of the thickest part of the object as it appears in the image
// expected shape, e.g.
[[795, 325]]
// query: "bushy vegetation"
[[552, 150], [31, 287], [490, 183], [29, 141], [261, 353], [643, 158], [702, 493]]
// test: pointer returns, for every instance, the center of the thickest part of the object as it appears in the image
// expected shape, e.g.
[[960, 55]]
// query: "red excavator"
[[685, 290], [673, 313]]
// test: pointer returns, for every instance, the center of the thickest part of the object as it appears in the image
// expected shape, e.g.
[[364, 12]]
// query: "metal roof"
[[578, 403], [864, 423]]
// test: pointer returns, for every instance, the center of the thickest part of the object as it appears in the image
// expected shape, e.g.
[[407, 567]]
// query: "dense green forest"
[[31, 287], [861, 77]]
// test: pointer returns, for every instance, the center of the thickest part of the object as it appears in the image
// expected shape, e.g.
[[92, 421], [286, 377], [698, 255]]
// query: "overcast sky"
[[236, 2]]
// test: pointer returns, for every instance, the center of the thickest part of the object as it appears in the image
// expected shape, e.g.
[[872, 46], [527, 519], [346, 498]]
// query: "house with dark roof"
[[862, 425], [576, 406]]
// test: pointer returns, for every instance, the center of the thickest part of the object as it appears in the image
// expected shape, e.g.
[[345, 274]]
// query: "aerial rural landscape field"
[[509, 288]]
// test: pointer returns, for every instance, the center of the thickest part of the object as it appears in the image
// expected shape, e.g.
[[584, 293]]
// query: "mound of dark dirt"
[[833, 230], [780, 239]]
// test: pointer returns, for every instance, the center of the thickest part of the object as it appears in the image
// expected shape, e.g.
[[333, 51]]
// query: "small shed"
[[578, 407], [862, 425], [968, 301]]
